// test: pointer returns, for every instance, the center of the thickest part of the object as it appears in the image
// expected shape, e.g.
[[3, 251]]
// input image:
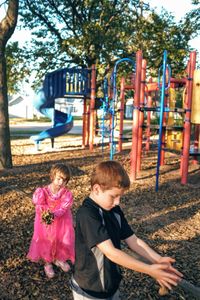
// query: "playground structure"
[[61, 83], [171, 136], [143, 105], [82, 83]]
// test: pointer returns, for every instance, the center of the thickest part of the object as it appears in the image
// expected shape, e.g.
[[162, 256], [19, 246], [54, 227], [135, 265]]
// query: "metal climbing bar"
[[103, 127], [113, 104]]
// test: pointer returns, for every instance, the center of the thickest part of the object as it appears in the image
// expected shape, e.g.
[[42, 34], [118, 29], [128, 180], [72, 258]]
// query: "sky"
[[178, 8]]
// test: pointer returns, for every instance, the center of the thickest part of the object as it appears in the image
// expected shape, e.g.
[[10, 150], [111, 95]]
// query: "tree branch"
[[8, 24], [40, 15]]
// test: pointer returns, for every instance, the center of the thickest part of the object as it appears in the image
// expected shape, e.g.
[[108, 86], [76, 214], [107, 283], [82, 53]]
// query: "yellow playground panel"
[[174, 140], [195, 114], [174, 137]]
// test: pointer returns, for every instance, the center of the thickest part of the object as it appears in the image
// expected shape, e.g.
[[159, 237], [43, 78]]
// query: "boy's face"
[[107, 199]]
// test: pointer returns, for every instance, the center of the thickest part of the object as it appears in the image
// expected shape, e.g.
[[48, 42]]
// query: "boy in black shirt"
[[100, 227]]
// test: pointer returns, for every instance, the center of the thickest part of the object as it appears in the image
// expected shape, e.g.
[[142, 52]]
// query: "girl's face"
[[59, 180]]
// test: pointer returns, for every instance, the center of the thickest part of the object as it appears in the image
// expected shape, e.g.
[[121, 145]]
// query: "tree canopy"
[[86, 32], [18, 70]]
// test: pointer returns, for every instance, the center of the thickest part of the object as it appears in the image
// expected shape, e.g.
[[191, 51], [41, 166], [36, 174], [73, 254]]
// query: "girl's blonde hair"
[[61, 169], [109, 174]]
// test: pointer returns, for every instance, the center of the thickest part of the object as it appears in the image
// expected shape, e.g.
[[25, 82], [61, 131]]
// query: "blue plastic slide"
[[61, 122]]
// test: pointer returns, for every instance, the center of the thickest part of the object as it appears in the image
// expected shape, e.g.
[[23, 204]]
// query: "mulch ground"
[[168, 220]]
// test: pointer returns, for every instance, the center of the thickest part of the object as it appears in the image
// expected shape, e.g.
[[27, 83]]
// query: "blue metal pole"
[[104, 109], [162, 101], [103, 129], [112, 145]]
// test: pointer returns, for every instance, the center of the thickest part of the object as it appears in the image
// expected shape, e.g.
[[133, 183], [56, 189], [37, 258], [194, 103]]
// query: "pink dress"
[[54, 241]]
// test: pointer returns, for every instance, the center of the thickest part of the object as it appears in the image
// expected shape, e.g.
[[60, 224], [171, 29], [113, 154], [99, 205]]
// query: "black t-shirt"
[[93, 271]]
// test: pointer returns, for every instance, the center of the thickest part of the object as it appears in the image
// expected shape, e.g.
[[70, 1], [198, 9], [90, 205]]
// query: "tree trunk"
[[7, 27]]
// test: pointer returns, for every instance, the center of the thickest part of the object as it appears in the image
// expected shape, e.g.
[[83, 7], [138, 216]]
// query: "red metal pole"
[[148, 130], [87, 124], [141, 114], [185, 103], [162, 153], [84, 122], [133, 155], [187, 123], [121, 120], [92, 107]]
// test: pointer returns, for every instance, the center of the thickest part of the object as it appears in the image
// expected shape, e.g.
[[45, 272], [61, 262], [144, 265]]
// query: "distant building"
[[20, 107], [70, 105], [129, 109]]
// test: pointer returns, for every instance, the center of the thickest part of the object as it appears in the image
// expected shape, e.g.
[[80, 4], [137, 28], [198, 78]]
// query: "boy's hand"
[[165, 260], [165, 274], [169, 260]]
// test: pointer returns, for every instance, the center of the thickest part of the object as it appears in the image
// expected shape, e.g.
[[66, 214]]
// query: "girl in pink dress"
[[53, 237]]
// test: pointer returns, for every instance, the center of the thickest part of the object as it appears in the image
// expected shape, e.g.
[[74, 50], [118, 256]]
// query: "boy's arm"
[[141, 248], [148, 255], [159, 272], [151, 256]]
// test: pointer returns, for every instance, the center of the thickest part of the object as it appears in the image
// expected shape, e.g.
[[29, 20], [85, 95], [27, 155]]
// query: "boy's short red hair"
[[109, 174]]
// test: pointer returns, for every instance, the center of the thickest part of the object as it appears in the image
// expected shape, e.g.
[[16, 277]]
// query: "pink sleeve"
[[39, 199], [66, 204]]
